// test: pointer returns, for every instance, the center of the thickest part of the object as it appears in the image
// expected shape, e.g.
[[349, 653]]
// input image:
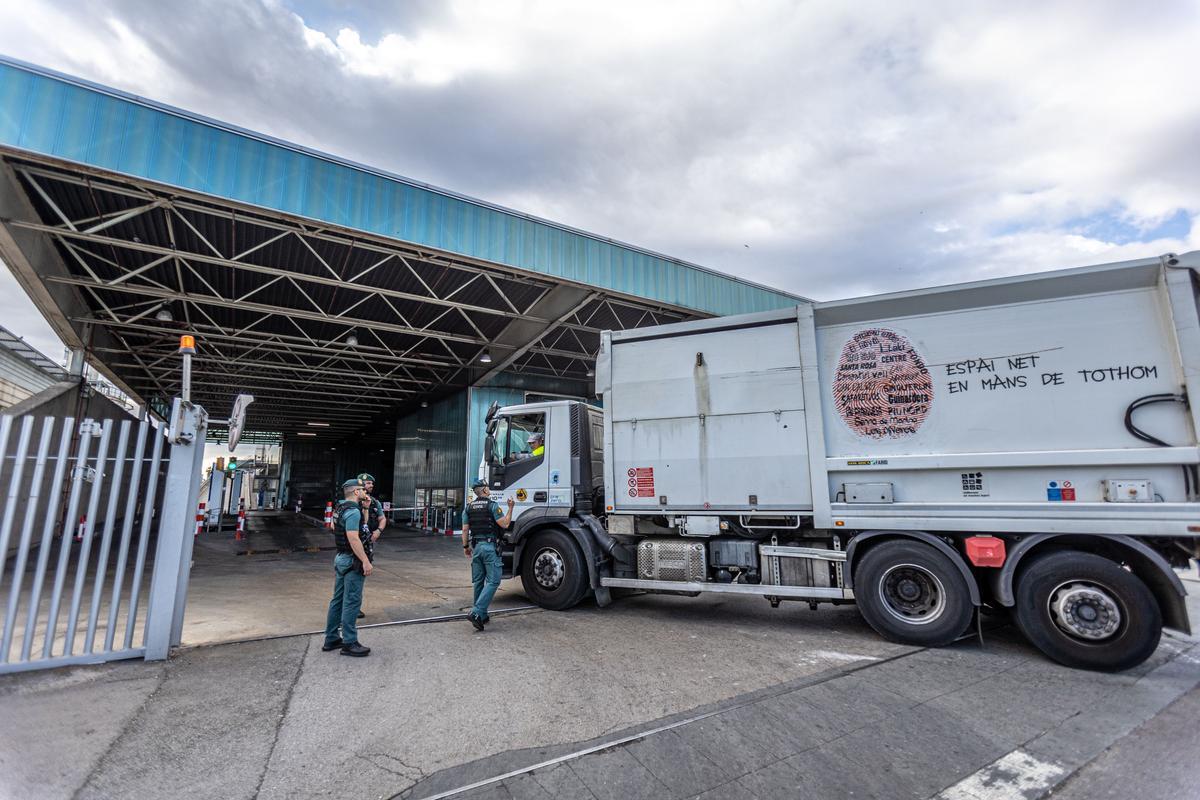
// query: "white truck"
[[1023, 444]]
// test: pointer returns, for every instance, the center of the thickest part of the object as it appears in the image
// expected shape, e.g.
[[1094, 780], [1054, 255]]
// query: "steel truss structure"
[[318, 322]]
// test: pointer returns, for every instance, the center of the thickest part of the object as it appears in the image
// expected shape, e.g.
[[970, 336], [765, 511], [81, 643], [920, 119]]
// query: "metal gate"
[[85, 505]]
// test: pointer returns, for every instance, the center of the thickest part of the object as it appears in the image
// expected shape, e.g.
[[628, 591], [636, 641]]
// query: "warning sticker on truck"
[[882, 388], [641, 481], [1060, 491]]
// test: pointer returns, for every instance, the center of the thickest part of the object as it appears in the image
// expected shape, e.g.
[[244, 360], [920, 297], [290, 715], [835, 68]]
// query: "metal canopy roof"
[[274, 300], [129, 223]]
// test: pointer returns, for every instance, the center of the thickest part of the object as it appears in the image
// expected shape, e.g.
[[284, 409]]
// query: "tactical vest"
[[339, 525], [482, 519]]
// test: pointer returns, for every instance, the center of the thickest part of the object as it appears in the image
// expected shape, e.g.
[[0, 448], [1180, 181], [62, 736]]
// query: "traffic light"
[[233, 465]]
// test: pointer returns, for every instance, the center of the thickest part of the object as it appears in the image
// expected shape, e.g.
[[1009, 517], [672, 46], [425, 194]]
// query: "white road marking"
[[834, 655], [1016, 776]]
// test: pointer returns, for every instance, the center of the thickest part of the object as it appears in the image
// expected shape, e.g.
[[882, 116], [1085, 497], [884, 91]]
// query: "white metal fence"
[[85, 505]]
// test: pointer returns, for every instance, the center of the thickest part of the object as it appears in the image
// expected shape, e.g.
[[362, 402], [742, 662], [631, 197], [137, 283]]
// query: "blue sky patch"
[[1110, 226]]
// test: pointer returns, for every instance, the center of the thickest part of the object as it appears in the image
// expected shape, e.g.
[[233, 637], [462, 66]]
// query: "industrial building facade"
[[373, 318]]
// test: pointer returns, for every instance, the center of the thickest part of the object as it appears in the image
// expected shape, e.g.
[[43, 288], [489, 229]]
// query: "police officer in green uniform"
[[481, 542], [376, 520], [351, 566]]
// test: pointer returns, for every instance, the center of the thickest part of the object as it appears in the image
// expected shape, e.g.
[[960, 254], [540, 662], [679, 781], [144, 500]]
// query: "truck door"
[[522, 471]]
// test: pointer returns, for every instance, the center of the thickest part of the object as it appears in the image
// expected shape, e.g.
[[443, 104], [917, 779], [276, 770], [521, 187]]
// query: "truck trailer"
[[1023, 445]]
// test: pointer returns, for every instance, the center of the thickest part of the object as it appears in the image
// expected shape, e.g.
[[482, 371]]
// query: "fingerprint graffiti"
[[882, 388]]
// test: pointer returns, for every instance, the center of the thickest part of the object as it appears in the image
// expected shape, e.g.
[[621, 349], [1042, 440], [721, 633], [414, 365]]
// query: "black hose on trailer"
[[1191, 475]]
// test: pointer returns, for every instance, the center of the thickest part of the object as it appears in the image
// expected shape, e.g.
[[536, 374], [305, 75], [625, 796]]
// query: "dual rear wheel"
[[1080, 609]]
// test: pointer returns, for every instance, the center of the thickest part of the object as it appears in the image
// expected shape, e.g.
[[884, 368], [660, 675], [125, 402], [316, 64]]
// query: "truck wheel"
[[912, 594], [1085, 611], [553, 571]]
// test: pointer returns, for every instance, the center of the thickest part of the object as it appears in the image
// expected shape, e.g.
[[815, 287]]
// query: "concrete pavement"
[[655, 696]]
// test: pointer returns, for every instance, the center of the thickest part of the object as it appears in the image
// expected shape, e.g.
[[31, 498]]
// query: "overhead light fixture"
[[164, 315], [591, 374], [305, 433], [486, 358], [318, 424], [424, 404], [352, 340]]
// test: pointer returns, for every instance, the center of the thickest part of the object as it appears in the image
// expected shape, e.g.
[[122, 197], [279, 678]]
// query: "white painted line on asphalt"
[[1016, 776]]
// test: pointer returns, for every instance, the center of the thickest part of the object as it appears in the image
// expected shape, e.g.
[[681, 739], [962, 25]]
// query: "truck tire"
[[553, 571], [1085, 611], [911, 593]]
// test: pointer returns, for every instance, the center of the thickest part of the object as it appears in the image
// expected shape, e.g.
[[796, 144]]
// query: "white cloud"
[[853, 147]]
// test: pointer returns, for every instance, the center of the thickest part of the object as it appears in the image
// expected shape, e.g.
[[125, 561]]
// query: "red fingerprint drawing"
[[882, 387]]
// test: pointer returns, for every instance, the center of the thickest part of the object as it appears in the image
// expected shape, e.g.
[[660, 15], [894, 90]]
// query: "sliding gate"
[[96, 536]]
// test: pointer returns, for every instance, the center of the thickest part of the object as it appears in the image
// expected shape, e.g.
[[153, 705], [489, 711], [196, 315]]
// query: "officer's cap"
[[479, 483], [366, 476], [353, 483]]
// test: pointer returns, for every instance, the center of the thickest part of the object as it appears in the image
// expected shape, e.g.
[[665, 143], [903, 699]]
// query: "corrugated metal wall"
[[71, 119], [430, 450]]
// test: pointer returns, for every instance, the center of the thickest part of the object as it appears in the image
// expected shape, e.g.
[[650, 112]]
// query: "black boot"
[[355, 649], [476, 621], [334, 645]]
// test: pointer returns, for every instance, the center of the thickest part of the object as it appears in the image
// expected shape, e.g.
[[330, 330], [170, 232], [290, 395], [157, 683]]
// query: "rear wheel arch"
[[1151, 568]]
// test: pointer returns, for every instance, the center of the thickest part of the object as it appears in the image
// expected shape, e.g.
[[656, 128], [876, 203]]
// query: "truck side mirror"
[[491, 427], [489, 449], [492, 409]]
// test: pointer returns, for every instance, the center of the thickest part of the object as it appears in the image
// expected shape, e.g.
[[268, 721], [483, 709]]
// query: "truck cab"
[[564, 473]]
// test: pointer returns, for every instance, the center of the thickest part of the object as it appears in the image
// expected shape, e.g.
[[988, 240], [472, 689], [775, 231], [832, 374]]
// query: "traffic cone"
[[241, 523], [329, 514], [82, 526], [199, 519]]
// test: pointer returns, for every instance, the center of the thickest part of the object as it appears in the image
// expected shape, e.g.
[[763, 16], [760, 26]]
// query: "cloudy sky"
[[830, 149]]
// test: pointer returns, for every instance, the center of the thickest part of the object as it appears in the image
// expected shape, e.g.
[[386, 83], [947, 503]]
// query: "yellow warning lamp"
[[187, 344]]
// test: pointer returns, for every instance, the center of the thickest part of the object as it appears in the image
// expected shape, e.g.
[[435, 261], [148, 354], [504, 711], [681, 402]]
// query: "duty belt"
[[481, 539]]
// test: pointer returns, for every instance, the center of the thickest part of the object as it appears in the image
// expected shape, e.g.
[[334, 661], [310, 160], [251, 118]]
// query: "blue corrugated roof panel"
[[64, 117]]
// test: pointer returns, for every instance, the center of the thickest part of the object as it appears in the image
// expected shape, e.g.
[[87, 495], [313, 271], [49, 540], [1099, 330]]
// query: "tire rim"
[[548, 568], [1084, 610], [912, 594]]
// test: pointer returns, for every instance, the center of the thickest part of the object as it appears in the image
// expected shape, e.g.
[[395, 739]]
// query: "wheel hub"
[[1084, 610], [912, 594], [548, 568]]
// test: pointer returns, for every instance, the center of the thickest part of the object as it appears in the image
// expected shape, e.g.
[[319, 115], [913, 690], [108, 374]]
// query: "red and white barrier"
[[241, 523], [199, 519], [81, 528], [329, 515]]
